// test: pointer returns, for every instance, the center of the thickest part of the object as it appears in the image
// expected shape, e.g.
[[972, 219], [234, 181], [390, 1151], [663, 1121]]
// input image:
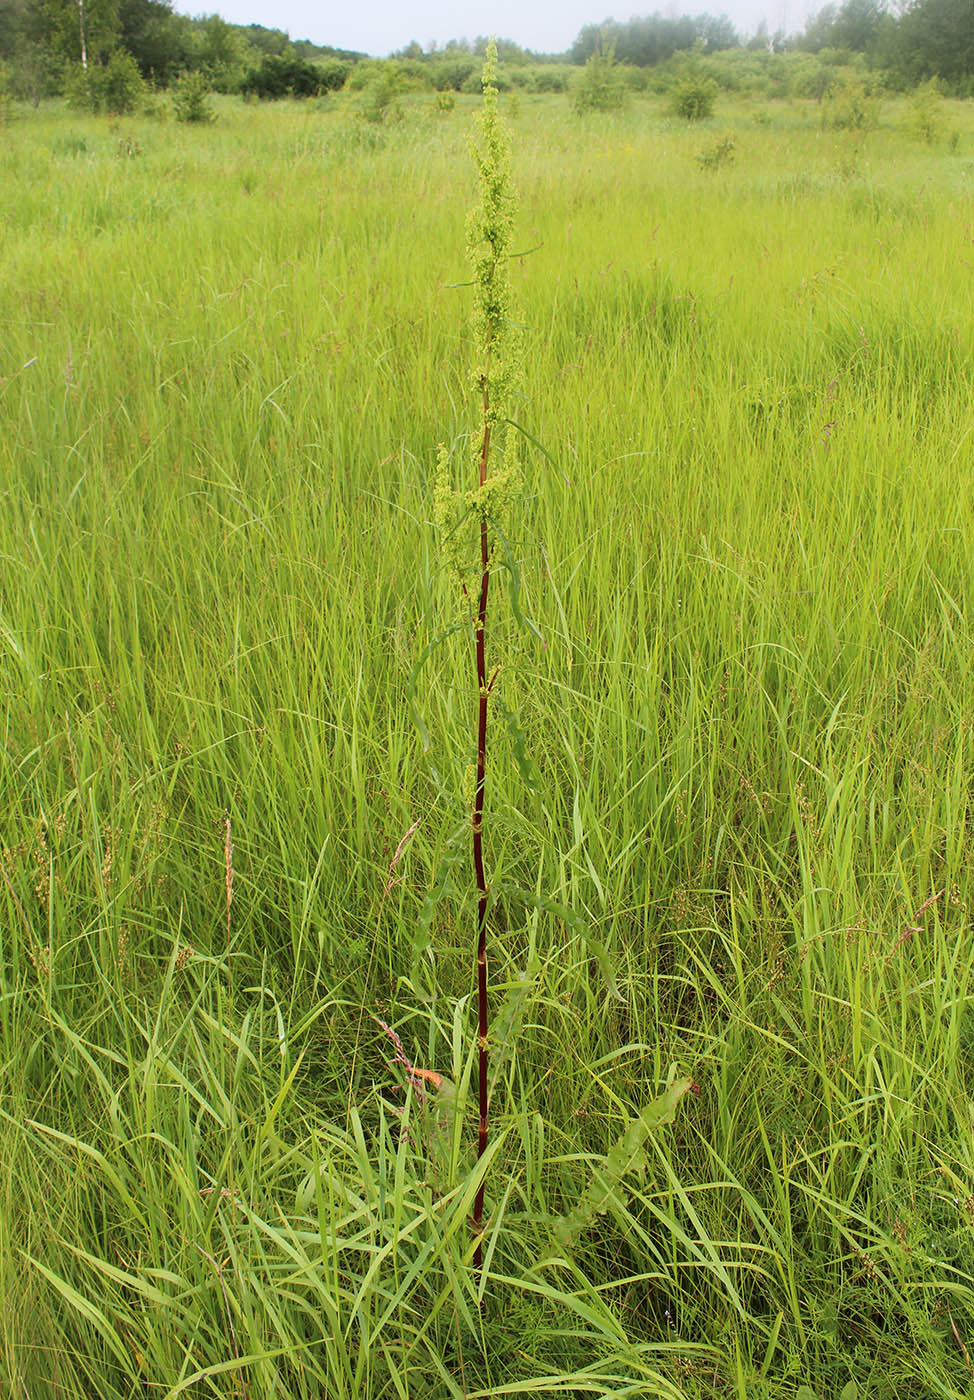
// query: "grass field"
[[228, 355]]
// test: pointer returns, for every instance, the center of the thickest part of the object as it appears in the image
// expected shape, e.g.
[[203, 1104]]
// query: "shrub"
[[635, 79], [119, 84], [810, 77], [717, 156], [693, 97], [400, 75], [602, 86], [378, 103], [474, 83], [6, 99], [153, 106], [409, 74], [190, 100], [548, 78], [363, 74], [925, 120], [446, 100], [849, 106], [279, 77], [450, 74], [333, 73], [115, 87]]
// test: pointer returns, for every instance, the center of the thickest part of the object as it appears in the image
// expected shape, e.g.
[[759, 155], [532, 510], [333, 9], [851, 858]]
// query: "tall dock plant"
[[472, 518]]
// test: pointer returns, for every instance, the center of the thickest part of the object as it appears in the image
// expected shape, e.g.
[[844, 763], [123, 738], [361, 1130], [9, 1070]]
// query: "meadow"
[[743, 855]]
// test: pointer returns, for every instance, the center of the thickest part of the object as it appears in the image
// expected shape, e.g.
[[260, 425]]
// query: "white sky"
[[549, 26]]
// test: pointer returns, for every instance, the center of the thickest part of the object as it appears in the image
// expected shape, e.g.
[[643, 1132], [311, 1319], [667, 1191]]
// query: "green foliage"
[[850, 106], [220, 53], [655, 38], [128, 148], [191, 100], [926, 120], [70, 143], [810, 77], [497, 338], [41, 39], [114, 87], [474, 84], [692, 97], [162, 43], [451, 74], [489, 233], [117, 86], [6, 98], [551, 78], [719, 155], [601, 87], [608, 1190], [854, 27], [378, 104], [398, 75], [280, 76], [494, 473], [75, 33], [935, 38], [332, 73], [750, 559]]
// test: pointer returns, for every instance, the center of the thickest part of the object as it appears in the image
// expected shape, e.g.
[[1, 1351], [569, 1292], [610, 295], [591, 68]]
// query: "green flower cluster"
[[497, 338]]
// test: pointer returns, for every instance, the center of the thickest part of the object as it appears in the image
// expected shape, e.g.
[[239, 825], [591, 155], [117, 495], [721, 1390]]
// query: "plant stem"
[[478, 838], [489, 234]]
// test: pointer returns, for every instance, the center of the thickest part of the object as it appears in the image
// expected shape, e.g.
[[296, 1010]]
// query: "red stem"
[[478, 839]]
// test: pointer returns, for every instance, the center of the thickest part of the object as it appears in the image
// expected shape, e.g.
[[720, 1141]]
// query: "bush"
[[475, 83], [402, 75], [925, 120], [849, 106], [333, 73], [119, 84], [449, 75], [718, 155], [693, 97], [378, 103], [602, 86], [810, 77], [548, 78], [635, 79], [115, 87], [279, 77], [190, 100], [6, 98]]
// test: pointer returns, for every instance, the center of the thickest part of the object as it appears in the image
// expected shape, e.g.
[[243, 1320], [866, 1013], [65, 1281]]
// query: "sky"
[[549, 26]]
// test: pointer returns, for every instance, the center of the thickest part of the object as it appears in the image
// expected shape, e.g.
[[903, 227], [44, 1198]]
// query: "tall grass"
[[226, 364]]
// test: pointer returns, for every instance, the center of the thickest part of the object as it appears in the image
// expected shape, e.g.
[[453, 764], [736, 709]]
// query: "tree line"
[[44, 43], [923, 39]]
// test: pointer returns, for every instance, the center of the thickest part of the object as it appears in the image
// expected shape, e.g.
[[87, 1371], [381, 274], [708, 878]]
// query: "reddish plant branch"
[[478, 840]]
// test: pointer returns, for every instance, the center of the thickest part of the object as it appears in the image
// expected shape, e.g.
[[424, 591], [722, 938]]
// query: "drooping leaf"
[[628, 1158]]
